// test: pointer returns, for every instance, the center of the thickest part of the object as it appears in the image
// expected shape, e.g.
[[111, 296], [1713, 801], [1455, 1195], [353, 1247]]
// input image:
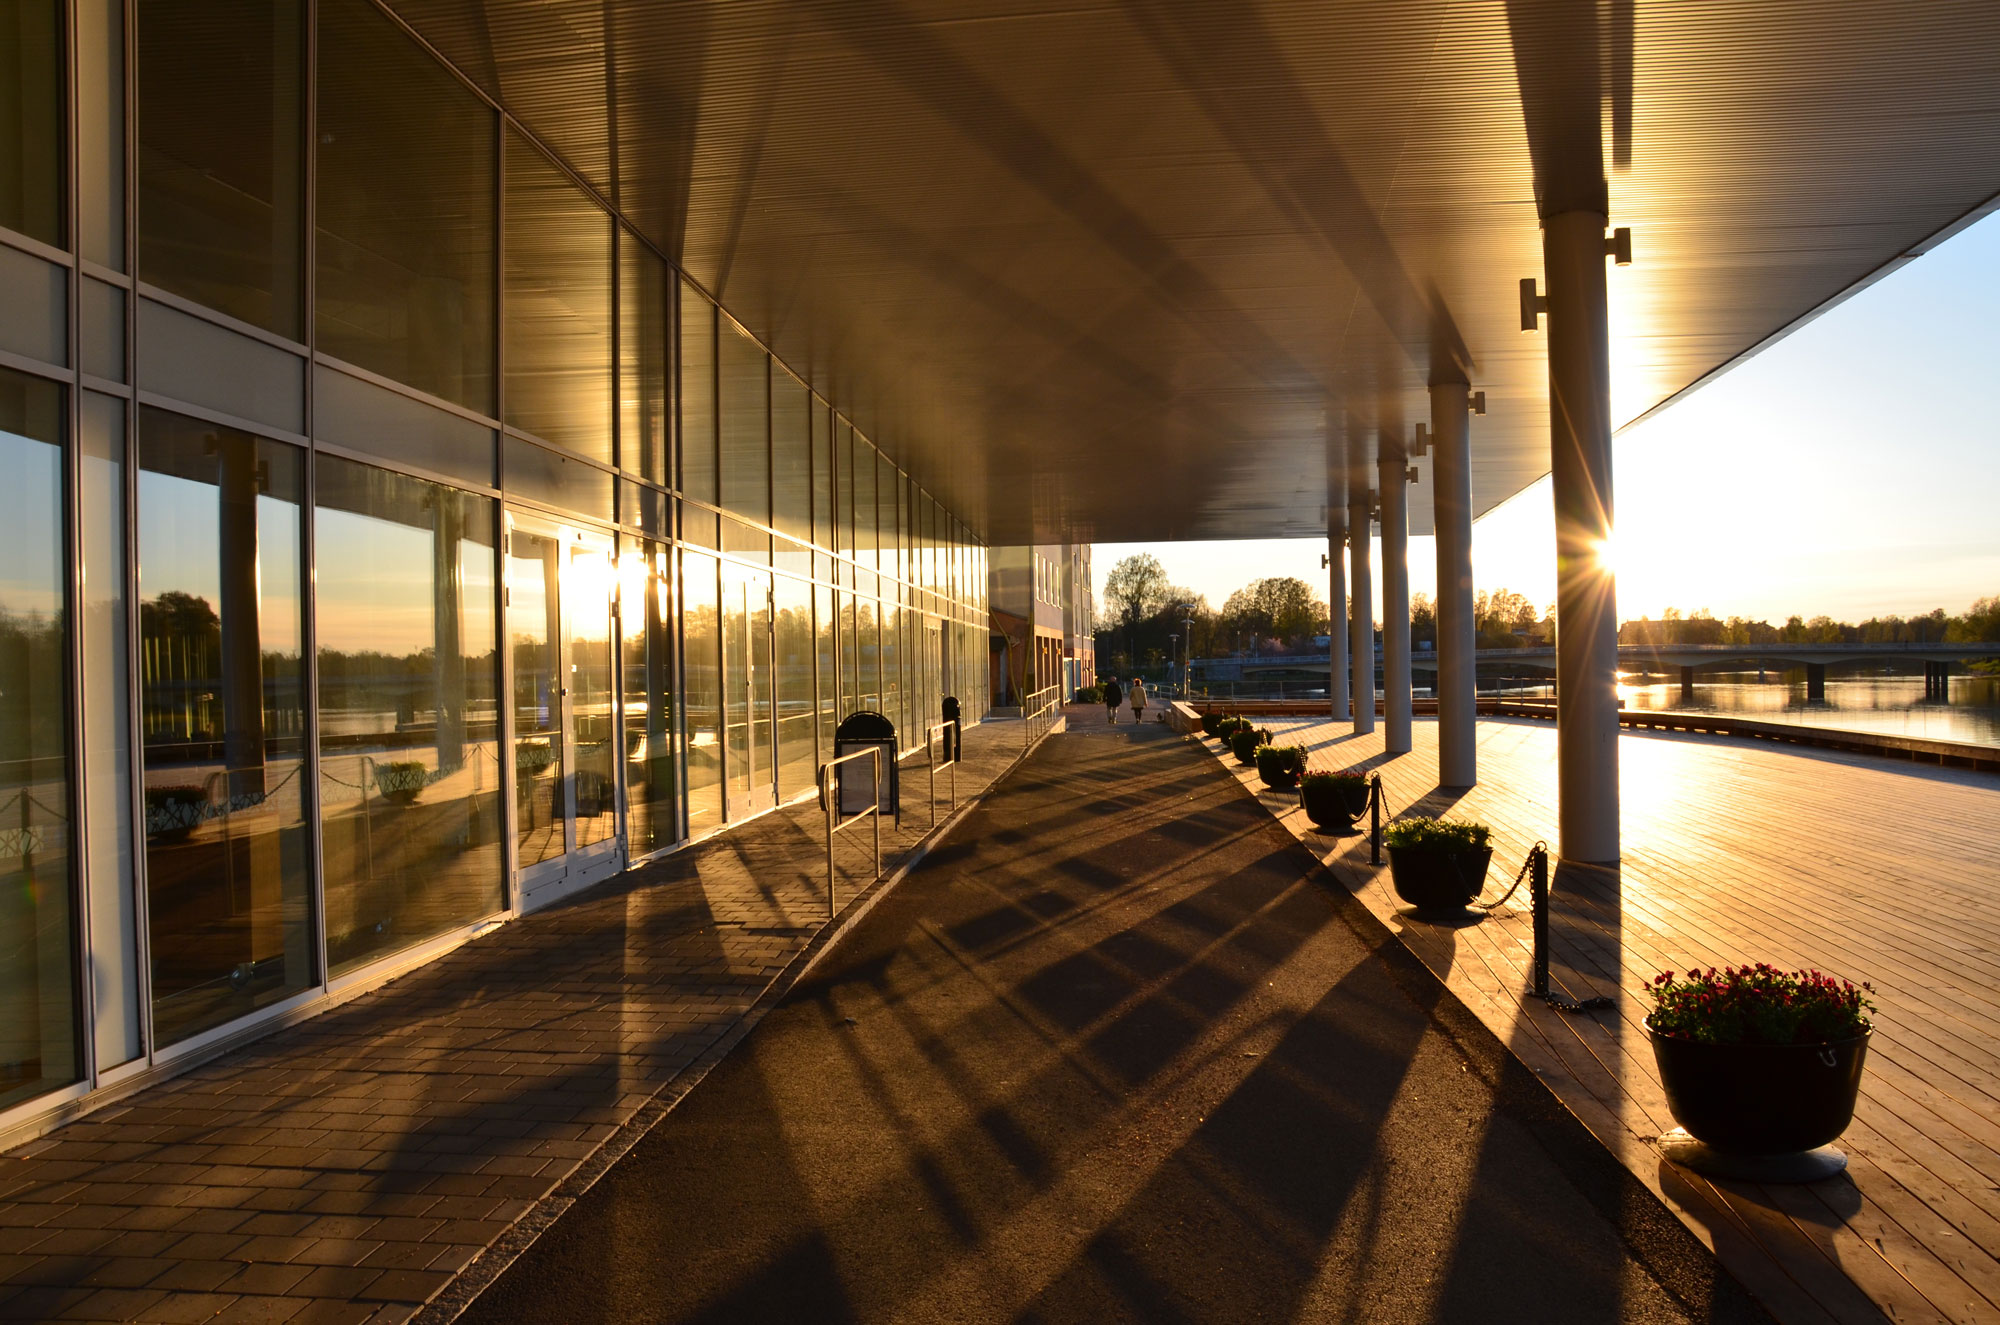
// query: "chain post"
[[1538, 896], [1375, 820]]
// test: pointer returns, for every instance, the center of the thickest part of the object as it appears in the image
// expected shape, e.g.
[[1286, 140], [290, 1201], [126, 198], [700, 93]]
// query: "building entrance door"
[[559, 585], [749, 702]]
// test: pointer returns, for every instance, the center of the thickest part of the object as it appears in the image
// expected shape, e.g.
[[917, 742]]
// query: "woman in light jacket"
[[1138, 697]]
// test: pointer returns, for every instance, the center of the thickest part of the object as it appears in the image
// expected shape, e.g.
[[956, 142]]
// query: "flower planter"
[[1334, 809], [1760, 1099], [1432, 880], [1280, 767], [1243, 742]]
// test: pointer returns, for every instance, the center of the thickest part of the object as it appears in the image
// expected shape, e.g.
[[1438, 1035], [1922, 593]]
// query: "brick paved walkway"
[[351, 1168]]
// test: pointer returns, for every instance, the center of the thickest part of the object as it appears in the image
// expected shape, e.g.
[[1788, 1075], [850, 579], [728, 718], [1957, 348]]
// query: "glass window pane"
[[408, 200], [222, 721], [107, 734], [828, 694], [100, 126], [409, 733], [794, 656], [822, 475], [534, 638], [697, 396], [645, 605], [843, 487], [220, 168], [791, 456], [643, 326], [31, 122], [557, 257], [746, 426], [38, 1023], [701, 677], [865, 512]]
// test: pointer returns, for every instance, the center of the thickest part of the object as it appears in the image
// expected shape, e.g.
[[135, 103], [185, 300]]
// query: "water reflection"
[[1890, 704]]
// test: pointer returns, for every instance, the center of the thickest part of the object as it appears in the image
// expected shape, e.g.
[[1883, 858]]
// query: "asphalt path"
[[1118, 1050]]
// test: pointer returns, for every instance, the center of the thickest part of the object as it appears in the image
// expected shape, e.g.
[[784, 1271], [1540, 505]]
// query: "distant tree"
[[1280, 608]]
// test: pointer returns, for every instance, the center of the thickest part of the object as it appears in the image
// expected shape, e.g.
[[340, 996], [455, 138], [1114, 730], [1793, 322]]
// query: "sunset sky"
[[1851, 469]]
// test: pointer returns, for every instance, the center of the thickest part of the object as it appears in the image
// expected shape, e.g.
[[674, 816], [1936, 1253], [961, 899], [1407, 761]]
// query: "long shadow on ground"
[[1117, 1052]]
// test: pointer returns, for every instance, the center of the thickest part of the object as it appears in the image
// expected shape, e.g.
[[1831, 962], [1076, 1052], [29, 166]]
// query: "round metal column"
[[1451, 514], [1392, 471], [1361, 620], [1586, 592], [1336, 600]]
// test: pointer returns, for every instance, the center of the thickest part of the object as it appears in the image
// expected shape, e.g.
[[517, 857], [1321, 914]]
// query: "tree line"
[[1149, 621]]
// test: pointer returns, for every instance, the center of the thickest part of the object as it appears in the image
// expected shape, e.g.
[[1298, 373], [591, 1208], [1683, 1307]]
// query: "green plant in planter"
[[1209, 719], [1089, 695], [1243, 743], [1760, 1062], [401, 782], [1758, 1005], [1281, 766], [1333, 801], [1436, 835], [1437, 864]]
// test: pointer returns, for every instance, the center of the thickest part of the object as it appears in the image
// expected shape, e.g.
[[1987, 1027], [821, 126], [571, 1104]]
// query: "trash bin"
[[949, 712], [860, 730]]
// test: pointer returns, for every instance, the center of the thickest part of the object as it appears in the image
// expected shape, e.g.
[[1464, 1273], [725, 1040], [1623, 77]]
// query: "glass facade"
[[448, 564]]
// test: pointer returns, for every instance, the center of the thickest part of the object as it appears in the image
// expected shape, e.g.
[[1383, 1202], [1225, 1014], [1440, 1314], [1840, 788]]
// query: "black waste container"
[[953, 732], [860, 730]]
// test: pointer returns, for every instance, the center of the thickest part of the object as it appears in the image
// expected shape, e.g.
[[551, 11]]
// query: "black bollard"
[[1375, 820], [1538, 897]]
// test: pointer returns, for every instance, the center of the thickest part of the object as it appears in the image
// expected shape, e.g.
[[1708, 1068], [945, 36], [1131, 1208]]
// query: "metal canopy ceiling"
[[1150, 269]]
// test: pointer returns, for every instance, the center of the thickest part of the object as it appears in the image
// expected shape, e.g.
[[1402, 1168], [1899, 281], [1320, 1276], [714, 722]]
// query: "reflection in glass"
[[644, 309], [407, 209], [556, 254], [408, 729], [865, 518], [892, 664], [793, 654], [702, 676], [221, 174], [587, 588], [31, 167], [223, 721], [697, 396], [850, 656], [763, 692], [843, 487], [746, 426], [534, 633], [38, 1042], [826, 642], [645, 609]]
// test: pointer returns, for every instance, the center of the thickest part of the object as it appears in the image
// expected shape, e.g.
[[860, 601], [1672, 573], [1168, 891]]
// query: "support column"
[[1392, 471], [1687, 685], [1336, 597], [1573, 253], [1816, 683], [1361, 622], [1457, 638]]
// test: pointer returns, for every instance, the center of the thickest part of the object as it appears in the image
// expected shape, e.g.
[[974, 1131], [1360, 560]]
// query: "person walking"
[[1113, 697], [1138, 696]]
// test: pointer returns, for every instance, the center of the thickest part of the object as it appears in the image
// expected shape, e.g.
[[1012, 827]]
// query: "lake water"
[[1893, 704]]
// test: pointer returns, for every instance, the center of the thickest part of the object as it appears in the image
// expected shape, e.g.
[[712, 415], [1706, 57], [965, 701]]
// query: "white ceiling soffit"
[[1145, 270]]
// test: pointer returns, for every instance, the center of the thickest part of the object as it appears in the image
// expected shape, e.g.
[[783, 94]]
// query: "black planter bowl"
[[1762, 1101], [1333, 810], [1438, 880]]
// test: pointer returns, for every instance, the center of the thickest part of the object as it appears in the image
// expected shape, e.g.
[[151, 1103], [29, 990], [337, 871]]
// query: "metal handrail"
[[930, 755], [1045, 703], [830, 798]]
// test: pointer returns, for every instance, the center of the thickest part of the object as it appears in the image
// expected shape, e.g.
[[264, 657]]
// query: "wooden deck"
[[1738, 852]]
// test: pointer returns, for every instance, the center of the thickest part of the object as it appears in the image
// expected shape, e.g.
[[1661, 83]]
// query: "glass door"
[[559, 641], [747, 687]]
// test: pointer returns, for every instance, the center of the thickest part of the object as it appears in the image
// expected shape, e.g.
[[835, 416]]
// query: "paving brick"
[[398, 1135]]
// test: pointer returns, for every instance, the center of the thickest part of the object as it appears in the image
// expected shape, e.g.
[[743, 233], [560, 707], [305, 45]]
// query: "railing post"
[[828, 797], [876, 764]]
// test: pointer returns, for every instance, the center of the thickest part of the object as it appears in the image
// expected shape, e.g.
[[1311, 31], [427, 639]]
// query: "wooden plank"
[[1805, 857]]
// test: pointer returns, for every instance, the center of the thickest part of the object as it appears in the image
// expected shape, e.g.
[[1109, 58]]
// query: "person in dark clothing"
[[952, 733], [1113, 697]]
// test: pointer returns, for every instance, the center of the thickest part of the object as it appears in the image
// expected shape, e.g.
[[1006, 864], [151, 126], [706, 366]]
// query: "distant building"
[[1042, 618]]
